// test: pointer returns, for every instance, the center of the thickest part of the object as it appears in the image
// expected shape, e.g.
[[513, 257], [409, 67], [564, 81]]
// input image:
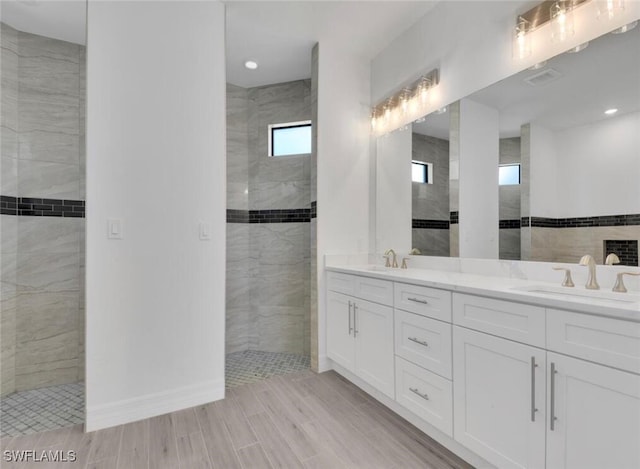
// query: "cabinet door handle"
[[350, 328], [533, 389], [355, 320], [416, 300], [552, 416], [425, 396], [418, 341]]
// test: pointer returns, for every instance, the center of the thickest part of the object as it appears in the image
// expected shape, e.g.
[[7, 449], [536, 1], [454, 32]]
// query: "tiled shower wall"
[[430, 202], [42, 323], [268, 254], [509, 200]]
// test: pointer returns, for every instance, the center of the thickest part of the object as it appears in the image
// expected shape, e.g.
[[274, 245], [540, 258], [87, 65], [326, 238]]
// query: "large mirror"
[[544, 165]]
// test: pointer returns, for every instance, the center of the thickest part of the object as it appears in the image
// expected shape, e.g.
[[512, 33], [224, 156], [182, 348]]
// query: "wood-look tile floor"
[[301, 420]]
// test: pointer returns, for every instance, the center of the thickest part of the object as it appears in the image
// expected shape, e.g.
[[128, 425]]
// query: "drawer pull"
[[552, 416], [534, 365], [416, 300], [418, 341], [415, 391]]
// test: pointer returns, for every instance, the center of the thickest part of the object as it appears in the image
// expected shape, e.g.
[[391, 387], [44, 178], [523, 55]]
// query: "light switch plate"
[[205, 231], [114, 228]]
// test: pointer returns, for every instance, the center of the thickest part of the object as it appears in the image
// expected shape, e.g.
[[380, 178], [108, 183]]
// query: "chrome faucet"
[[394, 262], [590, 262]]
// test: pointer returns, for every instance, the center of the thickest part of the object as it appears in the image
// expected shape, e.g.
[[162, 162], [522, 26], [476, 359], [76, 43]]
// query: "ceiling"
[[605, 75], [64, 20], [280, 35], [277, 35]]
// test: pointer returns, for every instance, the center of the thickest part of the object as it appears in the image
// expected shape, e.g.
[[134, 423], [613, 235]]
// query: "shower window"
[[292, 138]]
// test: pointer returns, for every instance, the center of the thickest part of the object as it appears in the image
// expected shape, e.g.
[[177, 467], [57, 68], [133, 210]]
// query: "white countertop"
[[624, 306]]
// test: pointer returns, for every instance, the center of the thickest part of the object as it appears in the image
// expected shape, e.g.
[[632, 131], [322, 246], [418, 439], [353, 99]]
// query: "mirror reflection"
[[566, 163]]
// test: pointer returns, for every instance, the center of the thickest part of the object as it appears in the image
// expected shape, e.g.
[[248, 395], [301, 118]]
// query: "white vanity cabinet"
[[499, 399], [595, 412], [360, 331], [520, 385], [518, 403]]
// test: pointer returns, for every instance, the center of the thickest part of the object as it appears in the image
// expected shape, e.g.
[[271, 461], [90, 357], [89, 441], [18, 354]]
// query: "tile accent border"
[[582, 222], [291, 215], [453, 218], [314, 209], [509, 224], [36, 207], [430, 224]]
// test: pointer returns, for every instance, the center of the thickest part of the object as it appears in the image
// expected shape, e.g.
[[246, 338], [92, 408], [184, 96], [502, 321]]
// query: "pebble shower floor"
[[38, 410]]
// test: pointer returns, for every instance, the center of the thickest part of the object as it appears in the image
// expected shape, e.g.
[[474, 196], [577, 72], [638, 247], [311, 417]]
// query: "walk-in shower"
[[269, 233], [42, 228]]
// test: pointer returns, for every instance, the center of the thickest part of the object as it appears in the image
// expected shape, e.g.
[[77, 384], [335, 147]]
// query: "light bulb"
[[561, 21], [610, 9], [522, 40]]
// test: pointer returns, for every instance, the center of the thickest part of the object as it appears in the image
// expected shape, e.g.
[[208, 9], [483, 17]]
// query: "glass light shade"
[[561, 21], [610, 9], [521, 40]]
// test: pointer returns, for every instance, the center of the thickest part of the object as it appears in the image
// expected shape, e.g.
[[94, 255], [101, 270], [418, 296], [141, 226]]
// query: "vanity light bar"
[[405, 102], [541, 14]]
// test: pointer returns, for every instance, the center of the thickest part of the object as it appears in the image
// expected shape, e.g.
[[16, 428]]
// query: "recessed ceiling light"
[[625, 28], [442, 110], [610, 112], [251, 64]]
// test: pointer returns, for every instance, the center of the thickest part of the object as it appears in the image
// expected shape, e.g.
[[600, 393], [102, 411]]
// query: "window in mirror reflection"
[[421, 172], [509, 174]]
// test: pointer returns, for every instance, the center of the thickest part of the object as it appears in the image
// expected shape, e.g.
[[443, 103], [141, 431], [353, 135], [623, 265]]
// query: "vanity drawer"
[[376, 290], [607, 341], [366, 288], [423, 341], [341, 283], [425, 301], [515, 321], [426, 394]]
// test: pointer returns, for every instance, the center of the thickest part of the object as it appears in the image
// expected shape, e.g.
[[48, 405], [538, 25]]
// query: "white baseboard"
[[151, 405], [324, 364], [433, 432]]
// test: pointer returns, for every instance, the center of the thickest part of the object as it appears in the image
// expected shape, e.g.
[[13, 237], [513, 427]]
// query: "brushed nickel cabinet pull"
[[355, 320], [417, 341], [350, 328], [425, 396], [416, 300], [533, 389], [552, 416]]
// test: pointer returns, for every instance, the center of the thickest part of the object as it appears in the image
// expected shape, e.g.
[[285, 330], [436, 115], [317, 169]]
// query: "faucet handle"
[[387, 263], [619, 286], [567, 282], [404, 263]]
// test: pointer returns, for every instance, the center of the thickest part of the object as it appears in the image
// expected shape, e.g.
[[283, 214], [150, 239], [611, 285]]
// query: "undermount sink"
[[579, 293]]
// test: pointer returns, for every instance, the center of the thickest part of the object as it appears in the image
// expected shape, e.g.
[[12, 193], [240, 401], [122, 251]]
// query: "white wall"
[[543, 177], [478, 199], [586, 171], [393, 214], [598, 168], [343, 163], [156, 159]]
